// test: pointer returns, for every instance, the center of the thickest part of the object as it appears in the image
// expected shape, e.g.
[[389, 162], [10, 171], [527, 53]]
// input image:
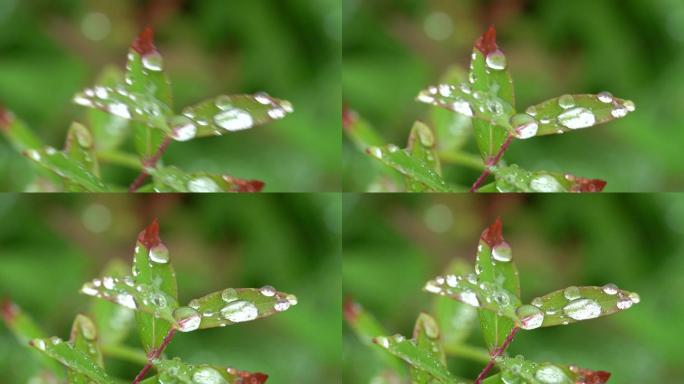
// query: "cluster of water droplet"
[[544, 182], [175, 371], [517, 370], [467, 289], [386, 342], [203, 184], [117, 101]]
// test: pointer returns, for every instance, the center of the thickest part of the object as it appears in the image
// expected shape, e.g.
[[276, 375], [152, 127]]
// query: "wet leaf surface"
[[113, 321], [418, 358], [68, 169], [177, 371], [72, 358], [84, 339], [411, 167], [172, 179], [455, 319], [426, 335], [520, 370], [515, 179]]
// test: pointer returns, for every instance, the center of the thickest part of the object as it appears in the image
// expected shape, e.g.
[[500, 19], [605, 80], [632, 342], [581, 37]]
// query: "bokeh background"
[[632, 48], [51, 245], [49, 50], [393, 244]]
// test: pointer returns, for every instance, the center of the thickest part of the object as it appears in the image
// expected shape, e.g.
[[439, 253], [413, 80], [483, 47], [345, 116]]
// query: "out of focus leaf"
[[113, 321], [426, 336], [421, 144], [494, 265], [72, 358], [84, 339], [515, 179], [172, 179], [415, 169], [68, 169], [79, 147], [177, 371], [416, 357], [17, 133], [456, 320], [360, 131]]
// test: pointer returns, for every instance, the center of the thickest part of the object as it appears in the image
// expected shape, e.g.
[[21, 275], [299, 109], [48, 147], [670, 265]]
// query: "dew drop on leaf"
[[530, 316], [470, 298], [635, 297], [187, 319], [619, 112], [126, 300], [524, 125], [550, 374], [545, 183], [462, 107], [605, 97], [571, 293], [239, 311], [234, 119], [207, 375], [537, 302], [582, 309], [267, 291], [566, 101], [292, 299], [108, 282], [281, 305], [382, 341], [119, 109], [502, 252], [629, 105], [496, 60], [159, 254], [203, 184], [391, 148], [577, 118], [153, 61], [182, 128], [229, 294], [375, 152], [610, 289]]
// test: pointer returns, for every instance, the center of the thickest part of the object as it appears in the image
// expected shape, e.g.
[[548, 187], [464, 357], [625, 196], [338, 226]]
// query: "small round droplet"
[[571, 293], [292, 299], [496, 60], [153, 61], [391, 148], [624, 302], [566, 101], [545, 183], [39, 343], [108, 282], [610, 289], [550, 374], [187, 319], [239, 311], [382, 341], [203, 184], [281, 305], [375, 152], [605, 97], [207, 375], [229, 294], [462, 107], [234, 119], [267, 291], [537, 302], [582, 309], [530, 316], [629, 105], [524, 125], [182, 128], [619, 112], [159, 254], [502, 252], [223, 102], [634, 297]]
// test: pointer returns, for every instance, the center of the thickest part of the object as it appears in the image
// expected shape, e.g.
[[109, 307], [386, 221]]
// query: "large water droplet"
[[126, 300], [524, 125], [577, 118], [182, 128], [545, 183], [108, 282], [530, 316], [159, 254], [462, 107], [119, 109], [267, 291], [566, 101], [153, 61], [496, 60], [550, 374], [571, 293], [234, 119], [619, 112], [605, 97], [610, 289], [582, 309], [281, 305], [188, 319], [207, 375], [239, 311], [469, 297], [203, 184], [502, 252]]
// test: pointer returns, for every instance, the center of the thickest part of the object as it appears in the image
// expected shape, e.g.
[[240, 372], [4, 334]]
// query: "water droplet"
[[500, 298], [496, 60], [566, 101], [619, 112], [292, 299], [229, 294], [126, 300], [470, 298], [432, 287], [624, 302], [635, 297], [194, 304], [525, 126], [153, 61], [40, 344], [187, 319], [128, 280], [451, 280], [207, 375], [375, 152], [234, 119], [550, 374], [502, 252], [530, 316], [423, 97], [108, 282], [571, 293], [263, 98], [495, 107], [462, 107], [239, 311], [119, 109], [223, 102], [159, 254], [203, 184], [582, 309], [545, 183], [537, 302], [182, 128], [605, 97], [267, 291], [610, 289], [101, 92], [577, 118], [391, 148], [629, 105], [281, 305], [158, 300], [382, 341]]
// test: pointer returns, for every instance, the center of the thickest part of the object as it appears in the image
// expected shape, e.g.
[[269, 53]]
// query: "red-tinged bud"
[[144, 43], [351, 310], [9, 310], [349, 117], [487, 42], [149, 237], [492, 235], [5, 118]]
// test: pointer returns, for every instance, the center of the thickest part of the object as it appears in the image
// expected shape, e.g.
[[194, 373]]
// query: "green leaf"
[[404, 162], [574, 304], [518, 369], [172, 179], [426, 336], [79, 147], [455, 319], [237, 305], [152, 267], [483, 295], [113, 321], [571, 112], [17, 133], [224, 114], [67, 168], [177, 371], [360, 131], [494, 379], [84, 339], [367, 327], [72, 358], [421, 144], [452, 130], [416, 357], [494, 265], [24, 329], [515, 179], [109, 131]]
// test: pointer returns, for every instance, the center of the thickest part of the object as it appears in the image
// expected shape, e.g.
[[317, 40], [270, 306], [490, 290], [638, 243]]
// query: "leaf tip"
[[492, 235], [244, 186], [254, 378], [5, 118], [587, 376], [149, 237], [349, 117], [487, 42], [584, 185], [351, 309], [144, 43], [9, 310]]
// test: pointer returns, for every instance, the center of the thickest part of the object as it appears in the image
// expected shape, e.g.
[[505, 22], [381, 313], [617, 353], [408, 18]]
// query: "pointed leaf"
[[359, 130], [456, 320], [73, 359], [177, 371], [84, 339], [237, 305], [409, 166], [24, 329], [16, 131], [79, 148], [113, 321], [224, 114], [574, 304], [70, 170], [421, 144], [520, 370], [173, 179], [571, 112], [152, 267], [417, 358], [494, 264], [515, 179], [426, 336]]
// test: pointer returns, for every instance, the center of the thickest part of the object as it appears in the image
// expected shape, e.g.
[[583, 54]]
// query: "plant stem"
[[468, 352], [120, 158], [465, 159], [154, 354], [149, 163], [123, 352], [496, 353], [492, 161]]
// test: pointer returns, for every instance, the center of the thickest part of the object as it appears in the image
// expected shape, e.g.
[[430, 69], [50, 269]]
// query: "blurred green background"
[[632, 48], [49, 246], [49, 50], [393, 244]]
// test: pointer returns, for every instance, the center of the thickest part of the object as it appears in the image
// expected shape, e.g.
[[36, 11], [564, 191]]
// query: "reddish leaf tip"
[[349, 117], [149, 237], [5, 118], [252, 378], [244, 186], [587, 376], [144, 43], [351, 309], [492, 235], [583, 185], [9, 310], [487, 42]]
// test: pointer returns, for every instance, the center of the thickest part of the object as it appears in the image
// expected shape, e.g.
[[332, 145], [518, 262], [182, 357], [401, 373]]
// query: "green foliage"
[[494, 291]]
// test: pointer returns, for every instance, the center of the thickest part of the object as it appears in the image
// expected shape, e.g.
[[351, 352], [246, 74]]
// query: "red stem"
[[151, 162], [492, 161], [496, 353], [154, 354]]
